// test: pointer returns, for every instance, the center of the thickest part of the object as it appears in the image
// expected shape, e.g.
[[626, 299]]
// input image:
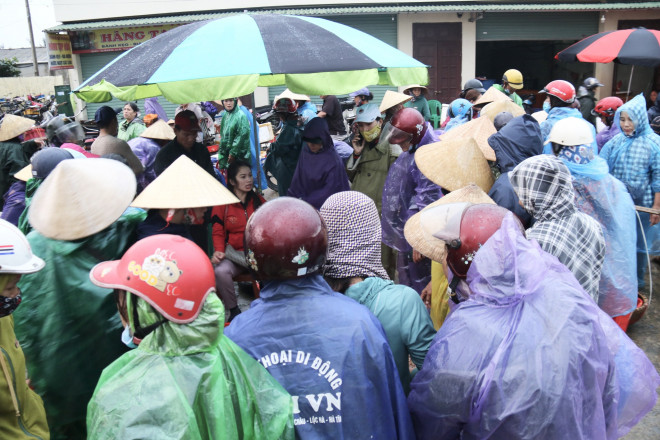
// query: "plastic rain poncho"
[[188, 381], [635, 161], [529, 356], [407, 192], [146, 150], [68, 327], [255, 151], [556, 114], [331, 355], [234, 137], [605, 199], [307, 112]]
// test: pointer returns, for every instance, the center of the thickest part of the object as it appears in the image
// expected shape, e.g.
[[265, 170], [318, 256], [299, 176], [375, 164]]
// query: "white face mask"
[[127, 337]]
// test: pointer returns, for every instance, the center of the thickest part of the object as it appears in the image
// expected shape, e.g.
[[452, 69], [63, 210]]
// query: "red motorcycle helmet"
[[410, 124], [607, 106], [464, 238], [285, 105], [285, 238], [171, 273], [560, 89]]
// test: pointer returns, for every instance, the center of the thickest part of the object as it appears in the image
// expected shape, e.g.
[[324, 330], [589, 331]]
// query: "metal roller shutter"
[[92, 63], [501, 26], [382, 27]]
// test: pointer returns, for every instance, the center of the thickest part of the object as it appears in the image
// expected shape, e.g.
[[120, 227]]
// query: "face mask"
[[127, 337], [8, 305], [372, 134], [546, 107]]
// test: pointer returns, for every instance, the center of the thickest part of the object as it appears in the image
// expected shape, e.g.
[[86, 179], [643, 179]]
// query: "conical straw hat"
[[492, 95], [295, 96], [540, 116], [11, 126], [480, 130], [427, 244], [413, 86], [82, 197], [159, 130], [391, 98], [25, 173], [494, 108], [454, 164], [184, 184]]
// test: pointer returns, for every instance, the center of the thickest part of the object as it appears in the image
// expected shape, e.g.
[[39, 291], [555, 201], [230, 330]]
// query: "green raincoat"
[[13, 158], [31, 424], [517, 99], [234, 137], [69, 328], [283, 155], [130, 130], [421, 105], [31, 187], [188, 381]]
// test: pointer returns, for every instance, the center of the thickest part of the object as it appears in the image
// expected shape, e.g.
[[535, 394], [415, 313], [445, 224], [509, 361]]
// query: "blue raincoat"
[[407, 192], [604, 198], [635, 161], [307, 112], [556, 114], [331, 355], [255, 152], [529, 356], [462, 112], [519, 139]]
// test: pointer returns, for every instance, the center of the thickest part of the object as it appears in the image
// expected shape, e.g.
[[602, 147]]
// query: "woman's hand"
[[417, 257], [217, 257], [358, 144], [426, 295]]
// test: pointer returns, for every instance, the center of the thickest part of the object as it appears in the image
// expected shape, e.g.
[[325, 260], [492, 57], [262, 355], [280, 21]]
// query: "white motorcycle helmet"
[[15, 253], [571, 132]]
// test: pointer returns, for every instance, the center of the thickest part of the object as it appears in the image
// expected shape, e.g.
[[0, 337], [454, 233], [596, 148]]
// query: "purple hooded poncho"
[[320, 175], [152, 106], [529, 356], [146, 150]]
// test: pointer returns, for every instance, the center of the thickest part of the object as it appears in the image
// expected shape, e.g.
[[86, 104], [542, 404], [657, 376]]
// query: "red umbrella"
[[637, 47]]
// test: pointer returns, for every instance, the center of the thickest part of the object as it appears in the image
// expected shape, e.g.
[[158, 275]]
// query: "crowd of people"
[[471, 281]]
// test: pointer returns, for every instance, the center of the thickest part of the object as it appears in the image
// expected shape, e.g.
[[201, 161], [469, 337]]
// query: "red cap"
[[187, 121]]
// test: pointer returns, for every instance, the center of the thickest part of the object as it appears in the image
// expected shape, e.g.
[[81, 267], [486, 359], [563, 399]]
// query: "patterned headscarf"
[[354, 236], [544, 186]]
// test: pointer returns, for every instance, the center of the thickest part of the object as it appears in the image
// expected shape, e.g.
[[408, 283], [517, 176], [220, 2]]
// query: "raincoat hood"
[[636, 110], [544, 187], [171, 339], [518, 140]]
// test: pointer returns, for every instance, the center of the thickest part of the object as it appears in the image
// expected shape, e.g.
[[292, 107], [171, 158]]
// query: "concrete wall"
[[469, 36], [35, 85]]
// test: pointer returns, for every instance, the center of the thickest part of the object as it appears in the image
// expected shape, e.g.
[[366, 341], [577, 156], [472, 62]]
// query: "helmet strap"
[[142, 332], [452, 289]]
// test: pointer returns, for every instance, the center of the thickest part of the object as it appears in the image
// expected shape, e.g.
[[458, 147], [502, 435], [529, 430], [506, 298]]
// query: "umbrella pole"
[[257, 145], [632, 69]]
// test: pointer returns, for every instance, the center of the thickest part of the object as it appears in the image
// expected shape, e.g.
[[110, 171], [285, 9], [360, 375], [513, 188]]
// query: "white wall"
[[34, 85]]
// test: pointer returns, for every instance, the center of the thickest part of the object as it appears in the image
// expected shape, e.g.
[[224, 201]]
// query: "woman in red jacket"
[[228, 229]]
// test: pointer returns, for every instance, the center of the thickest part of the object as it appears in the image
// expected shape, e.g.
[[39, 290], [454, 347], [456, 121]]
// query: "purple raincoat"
[[606, 134], [152, 106], [14, 202], [529, 356], [407, 192], [320, 175], [146, 150]]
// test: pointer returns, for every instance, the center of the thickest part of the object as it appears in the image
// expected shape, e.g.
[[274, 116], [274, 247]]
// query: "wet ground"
[[646, 334]]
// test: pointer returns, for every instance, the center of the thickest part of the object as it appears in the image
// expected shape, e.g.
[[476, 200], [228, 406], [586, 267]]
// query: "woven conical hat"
[[414, 86], [492, 95], [427, 244], [184, 184], [391, 98], [81, 197], [480, 130], [159, 130], [295, 96], [494, 108], [25, 173], [540, 116], [11, 126], [454, 164]]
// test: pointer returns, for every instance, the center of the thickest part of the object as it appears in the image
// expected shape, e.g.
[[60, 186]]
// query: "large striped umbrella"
[[639, 47], [231, 56]]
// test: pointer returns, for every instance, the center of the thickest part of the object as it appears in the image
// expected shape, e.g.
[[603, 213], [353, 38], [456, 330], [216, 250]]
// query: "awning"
[[357, 10]]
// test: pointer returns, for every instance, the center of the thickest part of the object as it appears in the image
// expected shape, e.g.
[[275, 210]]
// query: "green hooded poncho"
[[234, 137], [188, 381]]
